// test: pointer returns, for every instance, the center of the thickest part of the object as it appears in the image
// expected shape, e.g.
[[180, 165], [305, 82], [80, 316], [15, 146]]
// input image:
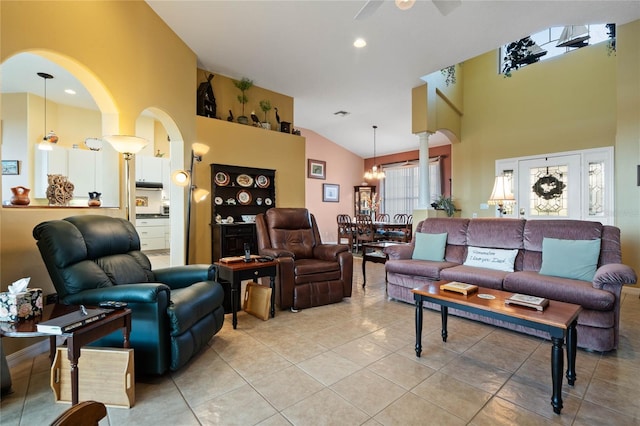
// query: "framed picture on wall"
[[316, 169], [330, 193], [10, 167]]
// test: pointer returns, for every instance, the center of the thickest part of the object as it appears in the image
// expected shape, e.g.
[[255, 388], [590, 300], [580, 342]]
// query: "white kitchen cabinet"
[[85, 171], [153, 233], [166, 178], [148, 168]]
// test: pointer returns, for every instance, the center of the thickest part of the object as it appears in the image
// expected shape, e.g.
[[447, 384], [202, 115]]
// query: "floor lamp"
[[128, 146], [501, 193], [184, 178]]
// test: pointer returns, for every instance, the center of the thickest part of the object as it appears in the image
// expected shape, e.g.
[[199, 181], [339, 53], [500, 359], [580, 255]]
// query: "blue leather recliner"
[[175, 311]]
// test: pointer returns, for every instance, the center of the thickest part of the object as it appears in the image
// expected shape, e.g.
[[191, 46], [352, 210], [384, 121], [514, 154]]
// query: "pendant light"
[[374, 173], [47, 138]]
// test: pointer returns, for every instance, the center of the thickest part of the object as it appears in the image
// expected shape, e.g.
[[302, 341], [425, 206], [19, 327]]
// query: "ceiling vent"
[[341, 113]]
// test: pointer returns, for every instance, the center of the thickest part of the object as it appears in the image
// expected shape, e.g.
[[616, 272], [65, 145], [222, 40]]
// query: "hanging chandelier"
[[47, 138], [374, 172]]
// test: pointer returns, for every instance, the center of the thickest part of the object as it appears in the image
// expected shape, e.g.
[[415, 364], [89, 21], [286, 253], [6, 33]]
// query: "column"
[[423, 183]]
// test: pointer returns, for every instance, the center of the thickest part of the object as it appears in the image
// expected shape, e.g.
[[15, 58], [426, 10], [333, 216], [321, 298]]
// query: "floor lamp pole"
[[127, 158], [189, 201]]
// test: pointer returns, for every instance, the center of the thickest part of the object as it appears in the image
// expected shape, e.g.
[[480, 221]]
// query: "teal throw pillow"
[[429, 246], [575, 259]]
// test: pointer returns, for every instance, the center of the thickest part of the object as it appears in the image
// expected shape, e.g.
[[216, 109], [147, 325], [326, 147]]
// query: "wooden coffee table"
[[118, 319], [557, 319]]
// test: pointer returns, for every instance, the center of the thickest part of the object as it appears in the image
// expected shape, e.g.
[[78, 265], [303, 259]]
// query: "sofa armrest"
[[614, 273], [130, 293], [276, 253], [329, 251], [399, 252], [184, 276]]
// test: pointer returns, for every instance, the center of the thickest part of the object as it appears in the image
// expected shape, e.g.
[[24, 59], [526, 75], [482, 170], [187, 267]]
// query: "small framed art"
[[316, 169], [330, 192], [10, 167]]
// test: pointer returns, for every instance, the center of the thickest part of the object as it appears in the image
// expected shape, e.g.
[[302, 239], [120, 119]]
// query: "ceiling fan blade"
[[368, 9], [447, 6]]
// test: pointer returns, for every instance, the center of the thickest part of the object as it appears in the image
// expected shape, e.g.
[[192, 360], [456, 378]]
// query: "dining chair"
[[383, 217], [366, 231], [346, 230], [402, 232]]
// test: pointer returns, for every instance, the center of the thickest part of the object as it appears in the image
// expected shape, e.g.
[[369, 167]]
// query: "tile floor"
[[353, 363]]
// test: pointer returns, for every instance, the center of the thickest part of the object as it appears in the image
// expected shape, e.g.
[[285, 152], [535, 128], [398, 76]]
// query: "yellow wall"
[[242, 145], [124, 46], [567, 103]]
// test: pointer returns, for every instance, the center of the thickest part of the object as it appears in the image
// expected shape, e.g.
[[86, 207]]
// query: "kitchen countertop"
[[151, 216]]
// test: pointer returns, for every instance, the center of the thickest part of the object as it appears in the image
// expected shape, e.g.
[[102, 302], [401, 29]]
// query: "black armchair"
[[175, 311]]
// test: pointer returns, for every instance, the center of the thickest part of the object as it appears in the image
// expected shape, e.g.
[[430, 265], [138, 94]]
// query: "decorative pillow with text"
[[498, 259]]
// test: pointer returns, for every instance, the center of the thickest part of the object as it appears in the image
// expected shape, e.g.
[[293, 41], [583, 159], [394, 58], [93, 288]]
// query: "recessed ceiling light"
[[70, 91], [405, 4], [360, 43]]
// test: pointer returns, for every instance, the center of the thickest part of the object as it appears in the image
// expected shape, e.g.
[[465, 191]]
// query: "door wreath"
[[548, 187]]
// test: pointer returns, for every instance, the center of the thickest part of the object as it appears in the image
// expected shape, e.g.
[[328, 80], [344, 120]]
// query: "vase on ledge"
[[94, 199], [20, 196]]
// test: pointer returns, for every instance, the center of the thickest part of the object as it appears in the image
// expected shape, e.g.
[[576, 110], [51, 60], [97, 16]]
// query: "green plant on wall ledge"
[[611, 44], [243, 85], [446, 204], [265, 106]]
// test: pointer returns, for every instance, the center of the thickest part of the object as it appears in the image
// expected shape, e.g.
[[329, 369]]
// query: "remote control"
[[112, 304]]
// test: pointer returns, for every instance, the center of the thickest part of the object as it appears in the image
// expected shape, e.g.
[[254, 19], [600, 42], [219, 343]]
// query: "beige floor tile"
[[592, 414], [258, 363], [361, 351], [368, 391], [619, 398], [434, 355], [243, 406], [287, 387], [206, 378], [540, 372], [275, 420], [401, 370], [481, 375], [412, 410], [324, 408], [499, 412], [456, 397], [498, 356], [298, 350], [328, 367], [536, 398], [389, 338]]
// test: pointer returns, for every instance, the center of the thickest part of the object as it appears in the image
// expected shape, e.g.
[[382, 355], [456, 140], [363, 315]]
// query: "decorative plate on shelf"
[[218, 201], [244, 180], [222, 179], [262, 181], [244, 197], [268, 201]]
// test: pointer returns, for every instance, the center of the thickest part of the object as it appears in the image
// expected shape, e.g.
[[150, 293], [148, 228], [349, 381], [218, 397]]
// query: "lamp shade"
[[180, 177], [501, 193], [199, 194], [199, 149], [126, 144]]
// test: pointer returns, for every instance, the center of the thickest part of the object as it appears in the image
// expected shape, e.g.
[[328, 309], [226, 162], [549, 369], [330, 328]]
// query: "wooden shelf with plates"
[[238, 195]]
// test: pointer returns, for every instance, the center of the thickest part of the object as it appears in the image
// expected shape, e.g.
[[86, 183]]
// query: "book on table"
[[535, 302], [71, 321], [463, 288]]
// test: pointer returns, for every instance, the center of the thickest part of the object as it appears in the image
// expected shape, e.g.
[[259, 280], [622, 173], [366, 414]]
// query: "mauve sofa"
[[598, 322]]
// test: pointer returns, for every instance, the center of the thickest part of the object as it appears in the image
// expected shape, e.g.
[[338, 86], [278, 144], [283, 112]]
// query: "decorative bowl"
[[249, 218]]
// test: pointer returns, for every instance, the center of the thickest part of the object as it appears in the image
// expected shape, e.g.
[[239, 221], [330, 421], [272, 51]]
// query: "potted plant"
[[265, 106], [243, 85], [521, 53], [446, 204]]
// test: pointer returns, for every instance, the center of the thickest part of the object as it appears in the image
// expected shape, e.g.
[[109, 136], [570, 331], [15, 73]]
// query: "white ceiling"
[[304, 49]]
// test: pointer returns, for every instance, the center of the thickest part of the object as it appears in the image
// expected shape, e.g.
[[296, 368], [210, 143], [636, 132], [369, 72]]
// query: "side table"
[[372, 252], [118, 319], [236, 272]]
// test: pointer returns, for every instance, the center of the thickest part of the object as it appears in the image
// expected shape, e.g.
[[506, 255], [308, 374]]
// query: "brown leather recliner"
[[309, 273]]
